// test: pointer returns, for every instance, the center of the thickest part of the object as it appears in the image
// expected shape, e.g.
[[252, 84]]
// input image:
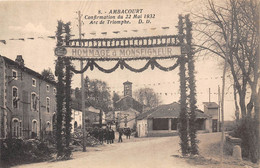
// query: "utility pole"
[[223, 96], [209, 95], [82, 89], [219, 103]]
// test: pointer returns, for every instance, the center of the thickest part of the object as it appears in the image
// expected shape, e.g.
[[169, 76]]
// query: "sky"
[[38, 20]]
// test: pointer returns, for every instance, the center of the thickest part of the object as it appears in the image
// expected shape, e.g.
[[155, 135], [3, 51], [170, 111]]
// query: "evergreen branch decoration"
[[192, 89], [68, 96], [183, 114], [122, 63], [60, 93]]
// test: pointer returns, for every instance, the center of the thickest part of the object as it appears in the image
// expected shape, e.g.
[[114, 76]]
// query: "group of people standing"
[[107, 135]]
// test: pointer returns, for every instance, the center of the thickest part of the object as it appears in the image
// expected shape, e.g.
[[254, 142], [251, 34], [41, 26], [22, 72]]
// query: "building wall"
[[24, 114], [141, 128], [130, 118], [76, 116], [213, 115], [3, 110], [128, 102]]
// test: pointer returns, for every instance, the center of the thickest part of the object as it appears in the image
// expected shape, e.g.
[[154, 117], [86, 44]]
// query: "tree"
[[97, 94], [115, 98], [234, 28], [231, 31], [148, 97], [47, 74]]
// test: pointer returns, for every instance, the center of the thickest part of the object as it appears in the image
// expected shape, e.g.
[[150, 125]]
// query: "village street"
[[157, 152]]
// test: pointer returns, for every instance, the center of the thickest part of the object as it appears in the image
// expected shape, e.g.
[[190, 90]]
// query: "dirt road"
[[134, 153]]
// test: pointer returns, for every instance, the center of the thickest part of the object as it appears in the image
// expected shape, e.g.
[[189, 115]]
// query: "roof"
[[211, 104], [127, 96], [130, 110], [168, 111], [127, 82], [27, 70]]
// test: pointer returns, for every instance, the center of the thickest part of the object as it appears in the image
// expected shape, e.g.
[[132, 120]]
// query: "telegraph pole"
[[82, 89], [223, 96]]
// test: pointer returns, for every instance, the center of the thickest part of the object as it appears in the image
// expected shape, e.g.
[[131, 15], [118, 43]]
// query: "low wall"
[[230, 143]]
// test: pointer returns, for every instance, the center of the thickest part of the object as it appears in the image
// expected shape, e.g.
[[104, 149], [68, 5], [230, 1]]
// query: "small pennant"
[[165, 27], [53, 37], [3, 41]]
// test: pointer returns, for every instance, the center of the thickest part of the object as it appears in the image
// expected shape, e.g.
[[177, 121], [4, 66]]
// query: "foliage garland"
[[60, 92], [192, 88], [68, 96], [122, 64], [183, 114]]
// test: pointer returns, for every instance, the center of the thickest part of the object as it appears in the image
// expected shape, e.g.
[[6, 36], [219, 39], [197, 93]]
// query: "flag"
[[53, 37], [165, 27], [3, 41]]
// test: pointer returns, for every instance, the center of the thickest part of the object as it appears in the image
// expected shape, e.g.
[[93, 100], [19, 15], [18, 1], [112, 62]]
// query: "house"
[[92, 115], [76, 119], [126, 118], [27, 100], [163, 121], [126, 109], [212, 110], [128, 101]]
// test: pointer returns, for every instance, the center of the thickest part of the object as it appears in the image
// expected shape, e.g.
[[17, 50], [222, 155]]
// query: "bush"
[[246, 129], [18, 151]]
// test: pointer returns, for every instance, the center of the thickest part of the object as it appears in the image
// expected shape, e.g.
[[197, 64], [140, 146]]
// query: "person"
[[120, 136], [108, 136], [112, 135], [101, 135], [128, 133]]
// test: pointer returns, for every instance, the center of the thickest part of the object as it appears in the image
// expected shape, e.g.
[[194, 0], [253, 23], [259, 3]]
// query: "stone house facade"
[[27, 100]]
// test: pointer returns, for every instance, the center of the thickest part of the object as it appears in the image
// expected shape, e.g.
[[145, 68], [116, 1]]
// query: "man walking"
[[120, 135]]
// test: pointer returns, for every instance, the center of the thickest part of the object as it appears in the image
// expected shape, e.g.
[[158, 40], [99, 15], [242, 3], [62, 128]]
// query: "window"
[[48, 126], [14, 74], [15, 97], [34, 102], [20, 125], [54, 90], [47, 88], [34, 128], [48, 104], [16, 128], [33, 82]]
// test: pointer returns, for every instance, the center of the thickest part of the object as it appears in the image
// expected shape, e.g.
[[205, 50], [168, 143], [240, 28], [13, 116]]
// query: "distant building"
[[163, 121], [212, 110], [27, 100], [76, 119], [126, 118], [92, 116], [126, 109], [128, 101]]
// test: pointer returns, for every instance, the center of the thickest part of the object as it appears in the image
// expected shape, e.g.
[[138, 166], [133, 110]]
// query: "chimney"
[[19, 60], [128, 88]]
